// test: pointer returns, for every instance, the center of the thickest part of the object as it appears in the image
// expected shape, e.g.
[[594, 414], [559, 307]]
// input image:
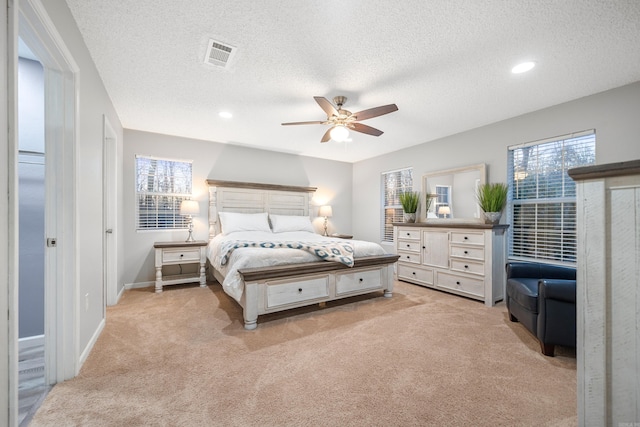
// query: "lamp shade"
[[444, 210], [189, 207], [325, 211]]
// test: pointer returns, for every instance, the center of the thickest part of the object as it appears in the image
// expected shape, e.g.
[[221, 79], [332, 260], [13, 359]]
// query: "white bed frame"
[[273, 289]]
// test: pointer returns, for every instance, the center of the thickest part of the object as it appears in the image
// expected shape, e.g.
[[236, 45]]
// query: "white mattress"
[[261, 257]]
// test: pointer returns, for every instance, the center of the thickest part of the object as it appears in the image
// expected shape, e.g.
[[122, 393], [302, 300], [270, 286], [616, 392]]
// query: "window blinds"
[[161, 185], [394, 183], [542, 197]]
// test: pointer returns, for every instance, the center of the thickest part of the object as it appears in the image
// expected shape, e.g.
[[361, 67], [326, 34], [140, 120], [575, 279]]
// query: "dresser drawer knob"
[[457, 282], [414, 273], [300, 290], [408, 257], [466, 252], [466, 266], [181, 255], [466, 238], [361, 279]]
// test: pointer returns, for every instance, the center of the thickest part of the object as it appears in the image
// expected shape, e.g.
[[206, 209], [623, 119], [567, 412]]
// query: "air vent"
[[219, 54]]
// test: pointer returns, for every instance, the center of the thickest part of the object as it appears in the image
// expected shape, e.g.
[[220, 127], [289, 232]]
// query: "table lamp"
[[190, 208], [326, 212]]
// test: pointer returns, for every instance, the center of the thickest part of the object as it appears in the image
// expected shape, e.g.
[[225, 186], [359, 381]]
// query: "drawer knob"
[[408, 245], [466, 238], [361, 279], [458, 282], [466, 252], [414, 273], [408, 257], [181, 255], [466, 266], [424, 247], [299, 290]]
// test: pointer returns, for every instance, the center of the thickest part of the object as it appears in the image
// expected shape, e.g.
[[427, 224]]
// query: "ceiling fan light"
[[339, 133]]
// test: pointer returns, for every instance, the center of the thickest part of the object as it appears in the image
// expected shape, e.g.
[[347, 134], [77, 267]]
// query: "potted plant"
[[409, 201], [492, 199]]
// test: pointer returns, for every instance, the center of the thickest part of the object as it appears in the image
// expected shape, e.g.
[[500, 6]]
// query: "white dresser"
[[462, 258], [608, 294]]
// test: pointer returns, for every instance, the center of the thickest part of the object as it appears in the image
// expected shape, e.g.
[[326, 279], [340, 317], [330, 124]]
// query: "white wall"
[[614, 115], [213, 160], [92, 103]]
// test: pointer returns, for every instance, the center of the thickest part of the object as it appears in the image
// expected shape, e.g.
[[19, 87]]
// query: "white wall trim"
[[139, 285], [92, 342]]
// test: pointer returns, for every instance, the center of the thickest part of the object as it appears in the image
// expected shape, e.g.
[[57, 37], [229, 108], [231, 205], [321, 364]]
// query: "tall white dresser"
[[608, 294], [462, 258]]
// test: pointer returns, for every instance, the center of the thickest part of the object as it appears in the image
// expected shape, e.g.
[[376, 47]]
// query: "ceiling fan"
[[341, 120]]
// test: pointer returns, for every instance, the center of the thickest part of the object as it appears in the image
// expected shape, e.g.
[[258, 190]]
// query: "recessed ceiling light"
[[523, 68], [225, 114]]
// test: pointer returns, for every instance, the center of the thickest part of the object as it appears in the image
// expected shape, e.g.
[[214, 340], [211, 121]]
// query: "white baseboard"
[[89, 347], [29, 342], [139, 285]]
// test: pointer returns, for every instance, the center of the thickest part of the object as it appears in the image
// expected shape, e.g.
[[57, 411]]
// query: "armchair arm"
[[523, 269], [557, 289]]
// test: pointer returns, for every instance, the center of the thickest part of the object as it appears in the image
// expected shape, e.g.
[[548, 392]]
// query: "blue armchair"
[[543, 298]]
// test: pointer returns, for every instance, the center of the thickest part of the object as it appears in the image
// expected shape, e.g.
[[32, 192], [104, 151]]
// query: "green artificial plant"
[[492, 197]]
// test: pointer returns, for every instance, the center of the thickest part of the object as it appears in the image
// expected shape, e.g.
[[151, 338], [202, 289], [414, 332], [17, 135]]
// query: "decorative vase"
[[492, 217], [409, 217]]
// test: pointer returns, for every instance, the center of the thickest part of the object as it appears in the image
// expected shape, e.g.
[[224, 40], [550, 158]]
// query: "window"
[[442, 201], [161, 185], [542, 197], [394, 183]]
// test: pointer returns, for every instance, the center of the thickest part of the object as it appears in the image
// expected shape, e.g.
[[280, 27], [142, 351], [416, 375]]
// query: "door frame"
[[61, 74]]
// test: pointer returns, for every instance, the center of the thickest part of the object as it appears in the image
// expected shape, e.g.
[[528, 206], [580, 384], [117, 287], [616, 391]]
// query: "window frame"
[[168, 219], [543, 226]]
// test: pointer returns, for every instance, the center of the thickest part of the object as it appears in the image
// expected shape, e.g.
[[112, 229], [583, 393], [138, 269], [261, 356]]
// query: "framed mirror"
[[453, 193]]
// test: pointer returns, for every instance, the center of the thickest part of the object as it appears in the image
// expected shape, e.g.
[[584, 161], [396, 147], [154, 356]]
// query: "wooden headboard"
[[249, 197]]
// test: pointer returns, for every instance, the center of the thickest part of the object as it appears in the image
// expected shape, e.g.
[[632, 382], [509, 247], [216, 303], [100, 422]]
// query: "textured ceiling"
[[445, 64]]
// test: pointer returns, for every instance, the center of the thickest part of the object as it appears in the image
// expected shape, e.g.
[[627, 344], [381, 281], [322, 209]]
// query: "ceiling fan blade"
[[316, 122], [326, 106], [327, 135], [375, 112], [359, 127]]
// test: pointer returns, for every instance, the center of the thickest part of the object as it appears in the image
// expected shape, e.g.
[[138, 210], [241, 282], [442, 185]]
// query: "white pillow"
[[232, 221], [282, 223]]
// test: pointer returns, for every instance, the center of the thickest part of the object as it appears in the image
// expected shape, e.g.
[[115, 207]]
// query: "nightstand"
[[174, 253], [341, 236]]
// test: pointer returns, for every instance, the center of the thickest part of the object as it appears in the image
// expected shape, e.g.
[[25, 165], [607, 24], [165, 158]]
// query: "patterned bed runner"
[[328, 251]]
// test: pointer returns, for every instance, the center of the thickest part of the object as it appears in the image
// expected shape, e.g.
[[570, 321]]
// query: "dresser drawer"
[[415, 274], [411, 257], [409, 233], [465, 266], [409, 245], [358, 281], [467, 252], [467, 237], [177, 256], [289, 292], [461, 283]]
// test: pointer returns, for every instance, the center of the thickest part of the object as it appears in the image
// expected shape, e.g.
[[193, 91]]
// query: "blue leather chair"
[[543, 298]]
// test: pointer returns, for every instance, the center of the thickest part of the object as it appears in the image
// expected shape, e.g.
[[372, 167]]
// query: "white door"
[[110, 181]]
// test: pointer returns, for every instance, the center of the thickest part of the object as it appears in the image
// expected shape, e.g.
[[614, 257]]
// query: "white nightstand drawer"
[[177, 256]]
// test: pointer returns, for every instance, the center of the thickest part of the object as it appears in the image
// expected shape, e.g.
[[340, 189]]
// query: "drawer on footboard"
[[296, 292], [359, 282]]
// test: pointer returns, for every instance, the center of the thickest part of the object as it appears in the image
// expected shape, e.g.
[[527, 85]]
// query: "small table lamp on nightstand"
[[326, 212], [190, 208]]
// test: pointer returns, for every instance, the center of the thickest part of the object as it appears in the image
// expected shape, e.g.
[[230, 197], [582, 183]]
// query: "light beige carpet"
[[421, 358]]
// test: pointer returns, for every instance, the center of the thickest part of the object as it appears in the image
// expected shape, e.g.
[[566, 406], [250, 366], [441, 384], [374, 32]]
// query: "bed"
[[305, 268]]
